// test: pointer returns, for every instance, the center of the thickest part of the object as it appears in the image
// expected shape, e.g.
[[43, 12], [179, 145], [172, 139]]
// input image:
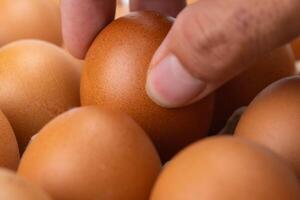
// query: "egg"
[[241, 90], [57, 2], [226, 168], [14, 187], [38, 81], [296, 48], [92, 153], [114, 76], [272, 120], [9, 151], [29, 19]]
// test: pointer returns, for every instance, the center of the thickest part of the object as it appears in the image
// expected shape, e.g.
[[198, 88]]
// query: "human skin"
[[210, 42]]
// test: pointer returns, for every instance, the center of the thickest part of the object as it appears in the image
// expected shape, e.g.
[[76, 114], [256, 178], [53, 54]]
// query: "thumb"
[[211, 42]]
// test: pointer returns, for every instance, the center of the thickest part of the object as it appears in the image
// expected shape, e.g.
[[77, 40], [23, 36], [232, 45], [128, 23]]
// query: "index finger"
[[82, 20]]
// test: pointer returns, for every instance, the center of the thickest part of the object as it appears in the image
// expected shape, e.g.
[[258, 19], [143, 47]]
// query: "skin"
[[210, 42]]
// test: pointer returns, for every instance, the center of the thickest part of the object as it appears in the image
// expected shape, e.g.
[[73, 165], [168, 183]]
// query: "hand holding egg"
[[114, 146]]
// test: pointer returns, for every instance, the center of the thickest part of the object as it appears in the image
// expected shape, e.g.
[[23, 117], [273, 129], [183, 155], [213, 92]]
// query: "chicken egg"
[[114, 76], [273, 120], [38, 81], [92, 153], [226, 168], [241, 90], [29, 19]]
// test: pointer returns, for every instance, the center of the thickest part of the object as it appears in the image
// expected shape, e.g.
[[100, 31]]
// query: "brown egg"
[[9, 151], [296, 48], [242, 90], [226, 168], [273, 120], [114, 75], [38, 81], [29, 19], [92, 153], [14, 187], [57, 1]]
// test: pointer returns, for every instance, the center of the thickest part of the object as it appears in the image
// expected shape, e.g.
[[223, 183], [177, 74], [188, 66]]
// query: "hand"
[[210, 42], [214, 40], [83, 19]]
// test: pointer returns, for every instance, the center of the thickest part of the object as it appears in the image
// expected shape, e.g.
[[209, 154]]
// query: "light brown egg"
[[92, 153], [296, 48], [14, 187], [273, 120], [242, 90], [57, 1], [29, 19], [114, 76], [9, 151], [38, 81], [226, 168]]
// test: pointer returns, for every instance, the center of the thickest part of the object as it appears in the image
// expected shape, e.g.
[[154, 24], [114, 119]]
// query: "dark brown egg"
[[90, 153], [273, 120], [114, 75], [226, 168], [9, 151], [296, 48], [38, 81], [242, 90]]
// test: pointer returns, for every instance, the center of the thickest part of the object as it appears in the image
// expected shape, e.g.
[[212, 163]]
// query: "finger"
[[214, 40], [167, 7], [82, 20]]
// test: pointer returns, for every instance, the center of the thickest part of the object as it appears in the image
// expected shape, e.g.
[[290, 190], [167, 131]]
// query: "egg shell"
[[273, 120], [92, 153], [29, 19], [241, 90], [114, 76], [296, 48], [9, 151], [14, 187], [38, 81], [226, 168]]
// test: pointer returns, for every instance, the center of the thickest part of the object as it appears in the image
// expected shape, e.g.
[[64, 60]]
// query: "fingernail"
[[170, 85]]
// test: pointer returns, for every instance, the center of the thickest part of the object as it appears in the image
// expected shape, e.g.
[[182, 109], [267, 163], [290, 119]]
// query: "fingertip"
[[82, 21]]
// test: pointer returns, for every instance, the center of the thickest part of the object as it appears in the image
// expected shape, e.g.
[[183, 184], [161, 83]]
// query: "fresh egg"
[[296, 48], [29, 19], [14, 187], [226, 168], [57, 1], [273, 120], [9, 151], [114, 75], [241, 90], [92, 153], [38, 81]]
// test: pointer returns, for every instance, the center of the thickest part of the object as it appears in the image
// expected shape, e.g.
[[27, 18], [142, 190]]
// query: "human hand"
[[83, 19], [214, 40], [210, 42]]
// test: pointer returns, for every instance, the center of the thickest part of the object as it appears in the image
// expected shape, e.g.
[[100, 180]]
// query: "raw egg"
[[226, 168], [273, 120], [38, 81], [14, 187], [29, 19], [114, 76], [9, 151], [241, 90], [92, 153]]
